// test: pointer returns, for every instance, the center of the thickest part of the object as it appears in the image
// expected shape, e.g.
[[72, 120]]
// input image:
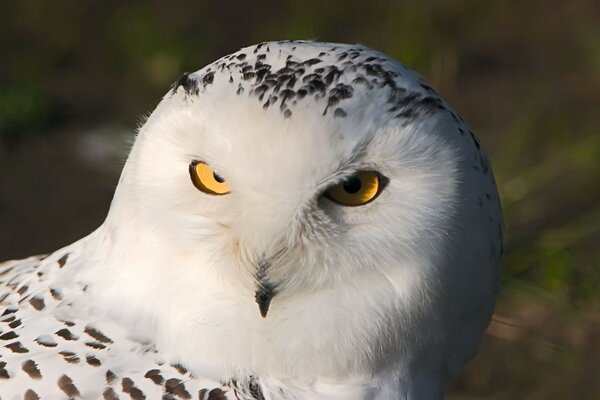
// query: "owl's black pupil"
[[352, 185], [218, 177]]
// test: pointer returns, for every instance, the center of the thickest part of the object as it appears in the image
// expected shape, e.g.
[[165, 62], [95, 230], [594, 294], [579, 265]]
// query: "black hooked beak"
[[265, 291]]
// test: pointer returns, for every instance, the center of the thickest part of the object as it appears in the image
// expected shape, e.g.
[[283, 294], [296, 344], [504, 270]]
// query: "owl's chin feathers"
[[207, 318]]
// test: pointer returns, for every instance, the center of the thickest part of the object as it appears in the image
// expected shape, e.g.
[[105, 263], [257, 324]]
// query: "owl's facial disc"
[[358, 189]]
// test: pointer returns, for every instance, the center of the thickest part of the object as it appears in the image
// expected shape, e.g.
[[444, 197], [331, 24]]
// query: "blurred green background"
[[76, 78]]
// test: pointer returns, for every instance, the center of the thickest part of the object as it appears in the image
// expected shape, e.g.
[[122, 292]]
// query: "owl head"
[[309, 199]]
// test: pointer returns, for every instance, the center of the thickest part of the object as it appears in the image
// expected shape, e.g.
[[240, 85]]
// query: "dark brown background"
[[75, 79]]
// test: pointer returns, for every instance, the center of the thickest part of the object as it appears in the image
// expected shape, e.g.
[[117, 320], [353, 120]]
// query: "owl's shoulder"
[[54, 345]]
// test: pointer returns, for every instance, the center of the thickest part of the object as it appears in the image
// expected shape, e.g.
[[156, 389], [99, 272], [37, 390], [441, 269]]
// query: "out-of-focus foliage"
[[525, 74]]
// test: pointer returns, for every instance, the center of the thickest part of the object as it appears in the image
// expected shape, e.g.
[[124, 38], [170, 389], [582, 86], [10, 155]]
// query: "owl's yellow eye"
[[358, 189], [208, 180]]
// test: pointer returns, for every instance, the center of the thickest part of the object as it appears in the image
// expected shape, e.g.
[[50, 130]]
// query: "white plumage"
[[273, 290]]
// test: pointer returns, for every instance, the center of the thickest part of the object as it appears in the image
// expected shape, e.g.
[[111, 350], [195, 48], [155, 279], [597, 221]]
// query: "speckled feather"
[[51, 348], [291, 72], [384, 301]]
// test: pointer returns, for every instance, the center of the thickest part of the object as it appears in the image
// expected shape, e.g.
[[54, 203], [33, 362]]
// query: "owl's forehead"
[[303, 79], [298, 95]]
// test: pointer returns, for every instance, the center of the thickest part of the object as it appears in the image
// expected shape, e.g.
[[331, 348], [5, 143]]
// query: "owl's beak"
[[265, 291], [263, 296]]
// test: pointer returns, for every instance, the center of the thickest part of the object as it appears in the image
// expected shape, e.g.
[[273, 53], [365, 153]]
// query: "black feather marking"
[[129, 387], [31, 369], [176, 387], [216, 394], [31, 395], [63, 260], [65, 383], [190, 86], [3, 371], [155, 376], [265, 290], [16, 347]]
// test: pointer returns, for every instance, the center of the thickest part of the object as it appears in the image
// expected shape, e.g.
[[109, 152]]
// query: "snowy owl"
[[297, 220]]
